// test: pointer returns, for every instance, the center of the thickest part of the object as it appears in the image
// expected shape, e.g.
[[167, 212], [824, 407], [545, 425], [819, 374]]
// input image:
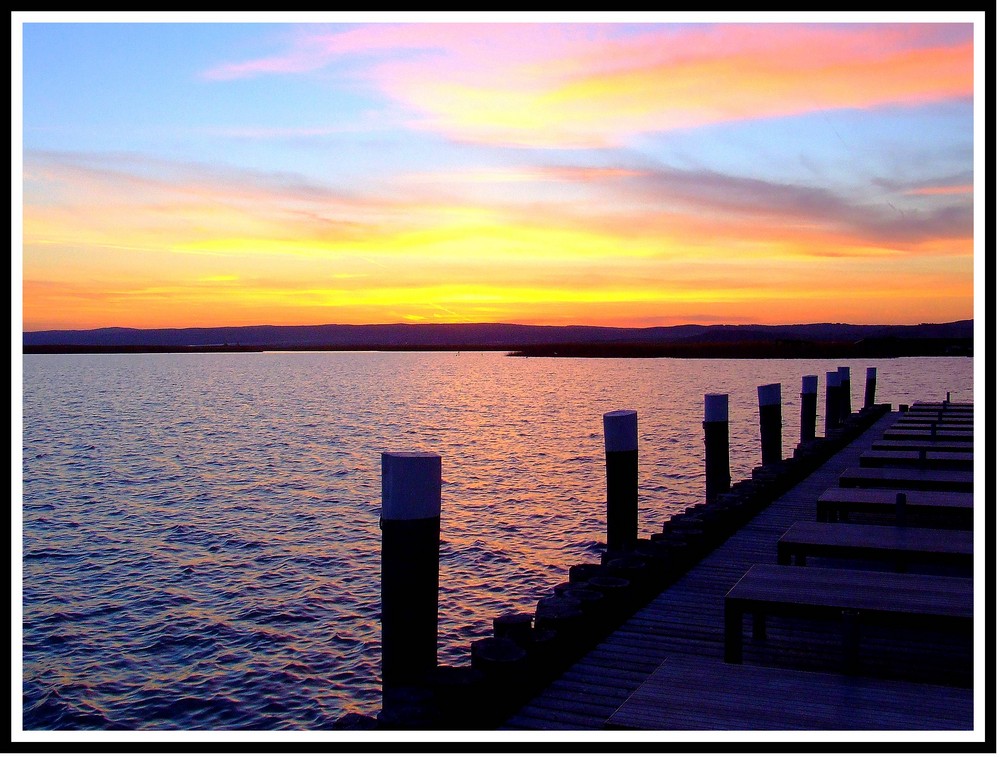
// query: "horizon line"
[[503, 323]]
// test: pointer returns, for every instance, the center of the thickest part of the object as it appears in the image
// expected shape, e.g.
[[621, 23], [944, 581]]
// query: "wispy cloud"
[[121, 201], [595, 85], [873, 219], [961, 189]]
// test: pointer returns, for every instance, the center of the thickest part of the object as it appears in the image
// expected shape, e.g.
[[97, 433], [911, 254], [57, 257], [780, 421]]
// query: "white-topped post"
[[621, 455], [411, 537], [716, 425], [870, 378], [769, 403], [832, 401], [807, 421]]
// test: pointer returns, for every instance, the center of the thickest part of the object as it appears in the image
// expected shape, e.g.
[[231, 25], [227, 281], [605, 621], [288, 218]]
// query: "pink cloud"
[[963, 189]]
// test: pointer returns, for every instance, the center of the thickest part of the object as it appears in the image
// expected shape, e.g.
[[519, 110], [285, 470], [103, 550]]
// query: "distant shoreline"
[[761, 350], [774, 350]]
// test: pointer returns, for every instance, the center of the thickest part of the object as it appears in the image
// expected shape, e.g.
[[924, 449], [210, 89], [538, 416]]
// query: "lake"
[[201, 537]]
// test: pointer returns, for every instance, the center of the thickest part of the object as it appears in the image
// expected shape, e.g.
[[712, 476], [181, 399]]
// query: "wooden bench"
[[848, 597], [926, 433], [948, 407], [920, 459], [908, 478], [931, 446], [901, 545], [948, 412], [956, 424], [837, 504]]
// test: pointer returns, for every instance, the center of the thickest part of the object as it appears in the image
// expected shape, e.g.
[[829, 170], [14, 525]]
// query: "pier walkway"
[[664, 668]]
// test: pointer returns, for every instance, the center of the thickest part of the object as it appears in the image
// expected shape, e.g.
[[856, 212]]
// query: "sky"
[[626, 171]]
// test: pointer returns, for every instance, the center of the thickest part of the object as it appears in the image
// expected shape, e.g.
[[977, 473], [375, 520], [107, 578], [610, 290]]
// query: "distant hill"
[[687, 340]]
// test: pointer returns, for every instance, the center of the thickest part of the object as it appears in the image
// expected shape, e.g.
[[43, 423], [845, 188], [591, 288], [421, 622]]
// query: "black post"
[[832, 401], [807, 422], [411, 535], [845, 392], [769, 401], [621, 452], [716, 425], [870, 387]]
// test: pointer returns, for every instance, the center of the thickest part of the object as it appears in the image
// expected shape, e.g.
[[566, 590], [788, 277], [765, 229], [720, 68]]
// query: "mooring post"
[[716, 425], [621, 454], [411, 535], [769, 402], [833, 404], [845, 392], [807, 423], [870, 387]]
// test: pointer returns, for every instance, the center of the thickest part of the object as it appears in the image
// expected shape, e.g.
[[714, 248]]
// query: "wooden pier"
[[665, 668]]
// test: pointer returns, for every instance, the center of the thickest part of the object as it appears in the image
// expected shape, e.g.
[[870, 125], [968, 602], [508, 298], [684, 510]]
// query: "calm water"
[[200, 532]]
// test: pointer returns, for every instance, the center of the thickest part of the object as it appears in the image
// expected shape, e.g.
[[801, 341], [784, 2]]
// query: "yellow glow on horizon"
[[472, 265]]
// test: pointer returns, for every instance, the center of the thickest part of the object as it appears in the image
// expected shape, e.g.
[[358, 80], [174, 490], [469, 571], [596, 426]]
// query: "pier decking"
[[664, 668]]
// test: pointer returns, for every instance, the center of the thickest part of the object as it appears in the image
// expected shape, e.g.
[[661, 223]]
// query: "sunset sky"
[[628, 174]]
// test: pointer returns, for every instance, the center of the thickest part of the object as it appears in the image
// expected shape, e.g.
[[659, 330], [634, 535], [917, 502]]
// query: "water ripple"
[[200, 532]]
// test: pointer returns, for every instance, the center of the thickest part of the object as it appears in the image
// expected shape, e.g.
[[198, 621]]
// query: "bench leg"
[[852, 633], [733, 634], [759, 626]]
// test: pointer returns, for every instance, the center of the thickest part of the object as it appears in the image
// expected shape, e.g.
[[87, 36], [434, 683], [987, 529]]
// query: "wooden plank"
[[898, 545], [921, 459], [532, 716], [706, 694], [906, 478]]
